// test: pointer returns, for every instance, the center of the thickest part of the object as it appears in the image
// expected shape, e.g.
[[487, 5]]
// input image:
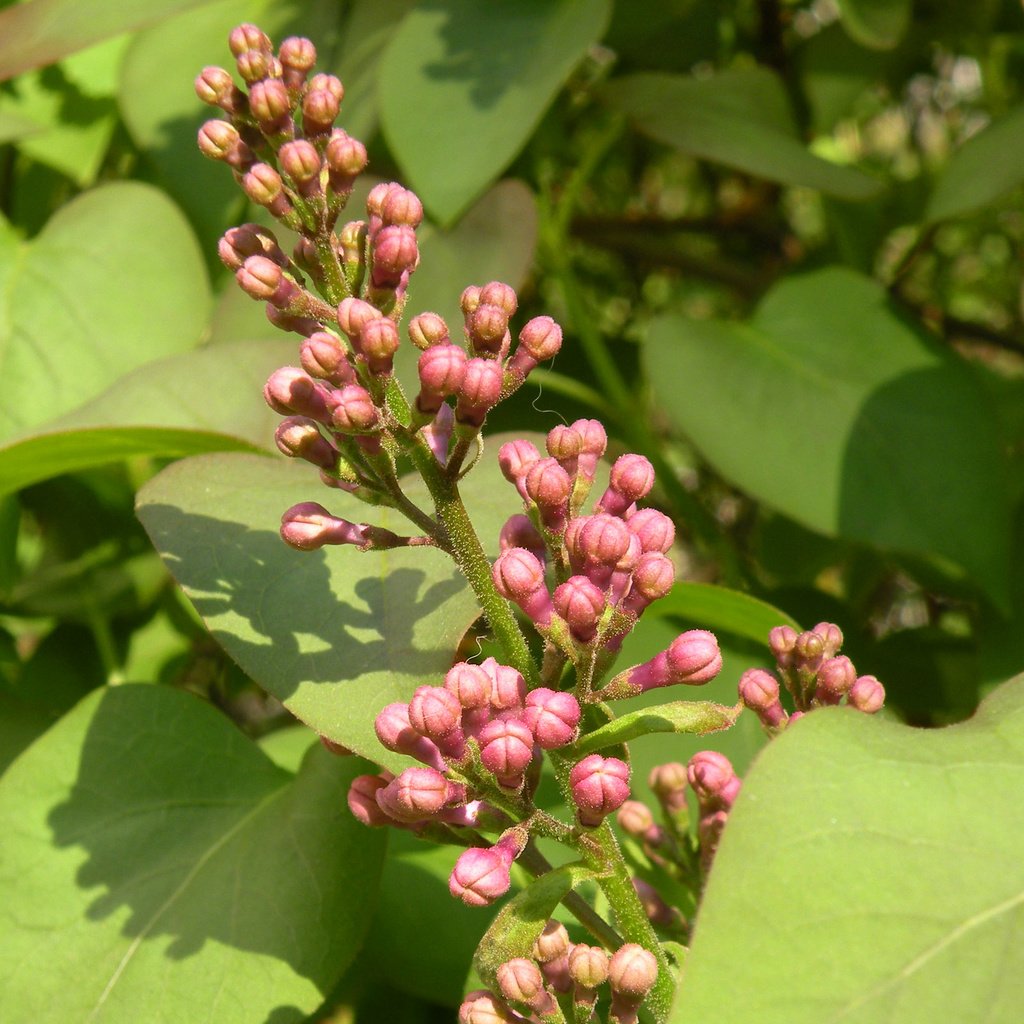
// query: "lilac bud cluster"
[[815, 674], [528, 987]]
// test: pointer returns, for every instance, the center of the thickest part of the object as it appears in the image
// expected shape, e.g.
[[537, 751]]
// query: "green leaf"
[[519, 922], [880, 24], [15, 126], [982, 170], [113, 281], [161, 409], [831, 408], [885, 862], [739, 118], [157, 866], [335, 634], [464, 83], [42, 31], [694, 717]]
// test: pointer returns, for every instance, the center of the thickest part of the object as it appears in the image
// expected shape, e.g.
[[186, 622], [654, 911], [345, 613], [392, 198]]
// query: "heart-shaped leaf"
[[831, 408], [740, 118], [157, 866], [464, 83], [113, 281], [870, 872]]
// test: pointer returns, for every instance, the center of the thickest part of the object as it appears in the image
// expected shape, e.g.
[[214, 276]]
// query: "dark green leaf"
[[857, 852], [719, 608], [151, 848]]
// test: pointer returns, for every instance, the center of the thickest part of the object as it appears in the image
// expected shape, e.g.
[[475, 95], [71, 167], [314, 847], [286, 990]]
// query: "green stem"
[[334, 278]]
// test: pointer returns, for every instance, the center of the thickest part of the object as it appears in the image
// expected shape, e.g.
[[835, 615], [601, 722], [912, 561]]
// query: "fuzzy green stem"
[[335, 283]]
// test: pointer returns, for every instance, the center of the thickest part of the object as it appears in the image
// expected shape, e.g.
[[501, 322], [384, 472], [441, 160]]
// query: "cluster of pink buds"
[[814, 673], [529, 988]]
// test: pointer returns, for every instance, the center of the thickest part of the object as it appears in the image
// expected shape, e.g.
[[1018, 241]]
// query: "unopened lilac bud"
[[480, 390], [668, 783], [308, 526], [596, 546], [809, 651], [219, 140], [435, 712], [261, 278], [377, 343], [362, 800], [329, 83], [248, 37], [515, 458], [270, 104], [401, 206], [655, 530], [709, 834], [713, 780], [301, 325], [539, 340], [469, 299], [599, 786], [519, 532], [506, 748], [320, 106], [496, 293], [552, 716], [291, 391], [651, 579], [588, 966], [299, 437], [782, 640], [581, 603], [255, 65], [834, 679], [632, 478], [831, 637], [417, 794], [323, 355], [394, 252], [759, 691], [519, 577], [552, 943], [480, 1007], [595, 441], [441, 371], [352, 410], [556, 974], [298, 57], [427, 330], [693, 658], [565, 444], [216, 87], [346, 159], [301, 162], [867, 694], [395, 731], [635, 819], [239, 243], [480, 876], [508, 688], [470, 684], [354, 314], [486, 328], [263, 185], [549, 486], [521, 981], [632, 972]]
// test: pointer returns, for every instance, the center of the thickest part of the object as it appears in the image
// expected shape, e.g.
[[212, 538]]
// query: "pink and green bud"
[[270, 105], [248, 37], [329, 83], [219, 140], [308, 526], [496, 293], [636, 820], [713, 780], [867, 694], [565, 444], [508, 688], [238, 244], [417, 794], [548, 486], [395, 252], [600, 786], [299, 437], [301, 162], [581, 603], [301, 325], [324, 355], [480, 1007], [506, 749], [759, 691], [632, 478], [595, 441], [263, 185], [470, 684], [552, 717], [552, 943], [831, 636], [346, 159], [401, 206], [377, 343], [291, 391], [519, 532], [262, 279], [521, 981], [362, 800], [515, 459], [298, 57], [354, 314], [320, 106], [596, 545], [438, 434], [480, 390], [519, 577], [395, 731], [216, 87], [256, 65], [654, 529], [668, 783], [632, 972], [652, 578], [588, 969], [692, 659], [481, 876], [442, 369], [486, 329], [834, 680], [469, 299], [539, 340], [435, 712], [427, 330], [781, 641], [352, 410]]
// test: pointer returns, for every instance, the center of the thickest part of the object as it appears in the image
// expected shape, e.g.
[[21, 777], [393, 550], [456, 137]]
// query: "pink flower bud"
[[415, 795], [395, 251], [352, 410], [438, 434], [506, 748], [508, 688], [480, 876], [470, 684], [480, 391], [549, 486], [354, 314], [300, 160], [713, 780], [308, 526], [565, 444], [428, 329], [581, 603], [291, 391], [238, 244], [808, 652], [248, 37], [329, 83], [599, 786], [596, 546], [323, 355], [435, 712], [595, 441], [552, 943], [262, 279], [654, 529], [515, 459], [296, 53], [588, 966], [346, 159], [362, 800], [759, 691], [632, 972], [486, 328], [480, 1007], [831, 636], [519, 577], [271, 105], [652, 578], [867, 694], [521, 981], [692, 658], [495, 293], [782, 640], [834, 679], [400, 206], [519, 532], [377, 342], [632, 478], [635, 819], [263, 185], [442, 369], [299, 437], [216, 87], [255, 65], [539, 340], [395, 731], [219, 140], [469, 299], [668, 783], [319, 109], [552, 717]]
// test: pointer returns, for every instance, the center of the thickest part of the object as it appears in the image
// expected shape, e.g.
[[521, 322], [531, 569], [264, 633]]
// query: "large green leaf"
[[879, 24], [161, 409], [464, 83], [870, 872], [740, 118], [113, 281], [982, 170], [336, 634], [831, 408], [157, 866]]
